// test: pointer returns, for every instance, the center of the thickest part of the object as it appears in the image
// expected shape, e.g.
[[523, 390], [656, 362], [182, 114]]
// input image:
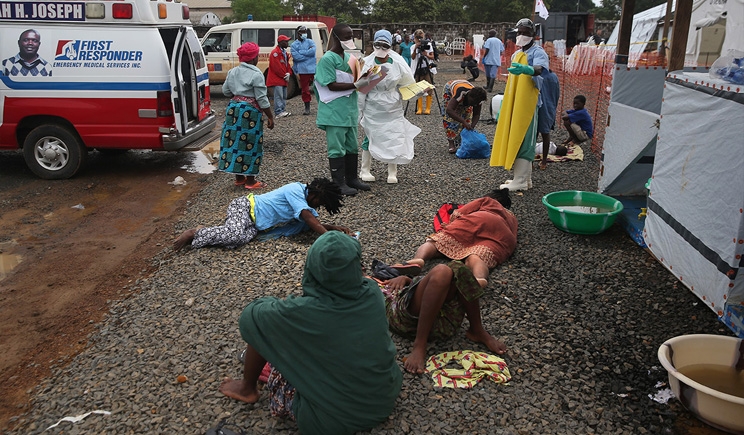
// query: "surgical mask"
[[381, 52], [523, 40], [302, 36], [348, 45]]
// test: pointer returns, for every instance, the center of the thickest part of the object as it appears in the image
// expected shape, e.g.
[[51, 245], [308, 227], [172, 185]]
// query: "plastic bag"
[[729, 67], [474, 145]]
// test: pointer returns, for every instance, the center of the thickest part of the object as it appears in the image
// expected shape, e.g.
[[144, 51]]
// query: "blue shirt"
[[303, 54], [582, 119], [495, 47], [281, 206]]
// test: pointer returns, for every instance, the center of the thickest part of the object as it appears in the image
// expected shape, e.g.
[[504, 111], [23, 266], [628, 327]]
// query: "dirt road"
[[59, 265]]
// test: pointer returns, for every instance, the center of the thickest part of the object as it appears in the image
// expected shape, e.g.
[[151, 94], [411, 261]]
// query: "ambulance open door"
[[186, 95]]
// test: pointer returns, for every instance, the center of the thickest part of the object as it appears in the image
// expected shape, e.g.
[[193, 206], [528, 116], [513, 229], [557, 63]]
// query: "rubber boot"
[[307, 109], [427, 111], [521, 176], [338, 175], [529, 178], [352, 179], [489, 84], [420, 106], [365, 175], [392, 173]]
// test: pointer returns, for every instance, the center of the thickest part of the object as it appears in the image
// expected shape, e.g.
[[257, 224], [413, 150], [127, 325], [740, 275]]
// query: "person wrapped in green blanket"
[[333, 361]]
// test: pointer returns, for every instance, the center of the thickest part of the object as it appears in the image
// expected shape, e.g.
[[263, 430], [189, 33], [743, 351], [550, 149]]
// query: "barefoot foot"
[[414, 362], [484, 337], [236, 389]]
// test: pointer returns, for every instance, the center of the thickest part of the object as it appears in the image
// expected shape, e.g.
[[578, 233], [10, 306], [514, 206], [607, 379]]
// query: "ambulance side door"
[[184, 91]]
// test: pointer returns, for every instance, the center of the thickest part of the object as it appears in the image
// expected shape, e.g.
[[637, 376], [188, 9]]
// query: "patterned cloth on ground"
[[476, 366], [574, 153]]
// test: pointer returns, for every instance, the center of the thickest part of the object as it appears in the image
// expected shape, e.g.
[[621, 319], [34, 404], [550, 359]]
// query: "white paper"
[[77, 418], [326, 95]]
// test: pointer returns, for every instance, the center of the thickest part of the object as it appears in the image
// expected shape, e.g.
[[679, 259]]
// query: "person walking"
[[405, 49], [303, 63], [278, 75], [338, 114], [492, 49], [388, 135], [241, 146]]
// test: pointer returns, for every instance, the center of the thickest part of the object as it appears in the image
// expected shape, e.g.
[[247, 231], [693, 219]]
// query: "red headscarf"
[[248, 51]]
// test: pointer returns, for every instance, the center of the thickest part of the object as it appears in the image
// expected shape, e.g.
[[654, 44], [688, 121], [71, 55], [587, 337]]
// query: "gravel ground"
[[583, 316]]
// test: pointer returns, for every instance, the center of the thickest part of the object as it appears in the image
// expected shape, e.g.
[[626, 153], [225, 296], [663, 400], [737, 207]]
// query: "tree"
[[345, 11], [260, 9]]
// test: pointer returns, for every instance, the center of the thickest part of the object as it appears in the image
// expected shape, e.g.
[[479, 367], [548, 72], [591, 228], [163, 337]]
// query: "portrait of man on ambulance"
[[27, 62]]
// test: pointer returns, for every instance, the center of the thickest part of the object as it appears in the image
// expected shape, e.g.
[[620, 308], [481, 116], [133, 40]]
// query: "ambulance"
[[101, 74]]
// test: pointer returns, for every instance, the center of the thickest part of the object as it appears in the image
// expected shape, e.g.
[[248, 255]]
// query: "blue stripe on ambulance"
[[86, 86]]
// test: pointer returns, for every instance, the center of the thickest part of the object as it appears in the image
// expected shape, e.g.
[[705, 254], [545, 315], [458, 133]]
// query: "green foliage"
[[260, 9], [345, 11], [570, 5]]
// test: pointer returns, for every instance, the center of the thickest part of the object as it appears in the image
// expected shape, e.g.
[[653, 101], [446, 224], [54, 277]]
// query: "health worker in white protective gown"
[[388, 134]]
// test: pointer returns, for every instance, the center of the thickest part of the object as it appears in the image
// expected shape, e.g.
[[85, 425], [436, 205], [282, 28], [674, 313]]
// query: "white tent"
[[695, 222], [648, 26]]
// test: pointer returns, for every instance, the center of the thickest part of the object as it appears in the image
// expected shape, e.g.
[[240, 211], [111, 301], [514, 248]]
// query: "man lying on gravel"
[[434, 306], [332, 358], [482, 233], [287, 210]]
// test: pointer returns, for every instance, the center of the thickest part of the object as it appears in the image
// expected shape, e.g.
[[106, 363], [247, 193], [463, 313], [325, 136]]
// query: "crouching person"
[[433, 307], [333, 361]]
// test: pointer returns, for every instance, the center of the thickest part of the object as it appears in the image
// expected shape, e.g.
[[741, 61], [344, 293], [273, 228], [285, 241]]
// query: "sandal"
[[543, 166], [407, 269], [240, 181], [452, 149], [255, 186]]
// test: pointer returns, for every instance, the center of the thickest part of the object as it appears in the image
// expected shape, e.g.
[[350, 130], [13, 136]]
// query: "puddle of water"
[[8, 262], [202, 160]]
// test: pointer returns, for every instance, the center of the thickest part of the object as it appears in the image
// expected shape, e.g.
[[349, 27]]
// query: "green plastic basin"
[[579, 212]]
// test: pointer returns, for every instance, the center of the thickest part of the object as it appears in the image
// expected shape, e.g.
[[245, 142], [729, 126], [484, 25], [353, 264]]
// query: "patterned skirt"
[[281, 395], [241, 146]]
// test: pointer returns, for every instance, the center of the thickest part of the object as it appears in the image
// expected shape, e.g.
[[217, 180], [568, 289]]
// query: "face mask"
[[381, 52], [348, 45], [302, 36], [523, 40]]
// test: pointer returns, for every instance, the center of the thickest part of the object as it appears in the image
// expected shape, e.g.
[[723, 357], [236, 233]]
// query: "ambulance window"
[[217, 42], [287, 32], [266, 38], [248, 35]]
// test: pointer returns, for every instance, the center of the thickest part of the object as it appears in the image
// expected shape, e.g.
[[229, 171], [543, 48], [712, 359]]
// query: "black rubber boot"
[[489, 84], [338, 175], [352, 179], [307, 109]]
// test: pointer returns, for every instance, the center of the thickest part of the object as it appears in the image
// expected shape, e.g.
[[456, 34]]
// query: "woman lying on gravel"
[[433, 307], [332, 358], [289, 209], [482, 232]]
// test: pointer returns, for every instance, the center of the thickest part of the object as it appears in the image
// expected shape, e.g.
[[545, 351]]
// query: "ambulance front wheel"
[[53, 152]]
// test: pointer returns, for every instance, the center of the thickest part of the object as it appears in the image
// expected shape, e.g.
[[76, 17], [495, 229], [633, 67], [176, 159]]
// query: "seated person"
[[462, 108], [333, 361], [471, 65], [433, 307], [482, 233], [578, 123], [290, 208]]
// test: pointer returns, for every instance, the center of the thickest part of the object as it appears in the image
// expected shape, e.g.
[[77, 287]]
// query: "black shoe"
[[338, 175], [307, 109]]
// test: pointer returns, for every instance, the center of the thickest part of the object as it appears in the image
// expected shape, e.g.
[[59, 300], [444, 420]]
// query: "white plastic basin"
[[718, 409]]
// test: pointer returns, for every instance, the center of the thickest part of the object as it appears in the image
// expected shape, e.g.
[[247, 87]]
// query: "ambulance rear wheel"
[[53, 152]]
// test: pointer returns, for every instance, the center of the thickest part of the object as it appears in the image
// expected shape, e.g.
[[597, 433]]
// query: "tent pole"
[[665, 33], [623, 37], [681, 27]]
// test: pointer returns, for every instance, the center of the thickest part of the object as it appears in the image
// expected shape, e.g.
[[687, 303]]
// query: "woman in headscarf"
[[332, 358], [241, 146], [388, 134]]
